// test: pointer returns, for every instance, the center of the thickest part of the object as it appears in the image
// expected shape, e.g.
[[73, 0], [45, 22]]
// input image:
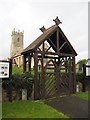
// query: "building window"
[[18, 40]]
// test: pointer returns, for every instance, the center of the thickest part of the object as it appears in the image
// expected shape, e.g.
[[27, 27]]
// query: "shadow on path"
[[72, 106]]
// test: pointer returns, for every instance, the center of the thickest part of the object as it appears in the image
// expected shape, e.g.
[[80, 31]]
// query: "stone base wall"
[[16, 95]]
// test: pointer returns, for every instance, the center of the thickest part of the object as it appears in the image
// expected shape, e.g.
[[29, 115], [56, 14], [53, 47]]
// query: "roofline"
[[68, 41], [42, 40], [28, 51]]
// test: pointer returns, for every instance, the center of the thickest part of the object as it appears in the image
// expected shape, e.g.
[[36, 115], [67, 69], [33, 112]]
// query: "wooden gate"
[[50, 85], [56, 80], [64, 77]]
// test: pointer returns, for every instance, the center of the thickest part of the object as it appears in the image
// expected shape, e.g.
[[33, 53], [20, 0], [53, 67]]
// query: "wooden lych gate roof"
[[58, 56], [50, 34]]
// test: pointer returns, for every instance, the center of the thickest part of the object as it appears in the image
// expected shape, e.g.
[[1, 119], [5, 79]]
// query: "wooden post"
[[57, 76], [36, 84], [10, 78], [84, 76], [42, 72], [42, 77], [10, 68], [24, 63], [74, 74], [66, 65], [55, 66], [71, 77], [29, 64]]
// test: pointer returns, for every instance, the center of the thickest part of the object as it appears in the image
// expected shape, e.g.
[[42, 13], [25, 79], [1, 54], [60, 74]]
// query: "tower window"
[[18, 40]]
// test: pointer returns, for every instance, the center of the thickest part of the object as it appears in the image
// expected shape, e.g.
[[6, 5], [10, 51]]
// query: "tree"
[[80, 63]]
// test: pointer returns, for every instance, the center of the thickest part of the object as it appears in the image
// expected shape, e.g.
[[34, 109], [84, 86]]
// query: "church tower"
[[16, 43]]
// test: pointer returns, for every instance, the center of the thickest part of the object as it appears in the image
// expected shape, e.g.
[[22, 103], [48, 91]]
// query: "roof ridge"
[[50, 27], [39, 39]]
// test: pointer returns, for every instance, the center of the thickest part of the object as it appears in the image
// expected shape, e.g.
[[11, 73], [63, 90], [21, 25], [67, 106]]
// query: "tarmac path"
[[72, 106]]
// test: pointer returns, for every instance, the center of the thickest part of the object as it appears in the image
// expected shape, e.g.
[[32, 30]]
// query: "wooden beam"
[[39, 49], [48, 57], [62, 46], [43, 46], [57, 41], [55, 53], [46, 38], [48, 49], [52, 43], [87, 65], [61, 32], [48, 53]]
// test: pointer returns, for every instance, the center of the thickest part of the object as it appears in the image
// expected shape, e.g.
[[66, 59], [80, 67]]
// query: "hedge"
[[19, 82], [79, 77]]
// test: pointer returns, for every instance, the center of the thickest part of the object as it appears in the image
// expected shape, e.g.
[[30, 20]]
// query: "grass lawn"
[[29, 109], [0, 110], [83, 95]]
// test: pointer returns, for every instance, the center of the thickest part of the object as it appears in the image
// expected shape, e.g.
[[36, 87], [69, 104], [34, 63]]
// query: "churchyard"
[[51, 88]]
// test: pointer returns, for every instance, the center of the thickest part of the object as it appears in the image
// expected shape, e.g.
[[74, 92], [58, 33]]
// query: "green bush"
[[19, 82], [79, 77], [23, 81]]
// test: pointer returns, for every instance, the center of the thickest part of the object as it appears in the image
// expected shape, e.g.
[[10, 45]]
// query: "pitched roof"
[[40, 39], [45, 35], [17, 54]]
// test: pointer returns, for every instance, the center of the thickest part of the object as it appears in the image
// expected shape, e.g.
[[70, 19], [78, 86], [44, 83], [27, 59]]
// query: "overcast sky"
[[30, 16]]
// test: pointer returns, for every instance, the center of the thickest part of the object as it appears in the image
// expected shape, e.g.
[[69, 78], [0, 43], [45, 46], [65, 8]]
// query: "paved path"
[[72, 106]]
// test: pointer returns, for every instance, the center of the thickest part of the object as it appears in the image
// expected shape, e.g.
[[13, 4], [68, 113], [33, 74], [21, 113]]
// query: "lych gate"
[[56, 74]]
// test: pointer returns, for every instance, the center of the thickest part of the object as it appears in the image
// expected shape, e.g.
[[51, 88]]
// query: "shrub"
[[23, 81], [18, 82], [79, 77]]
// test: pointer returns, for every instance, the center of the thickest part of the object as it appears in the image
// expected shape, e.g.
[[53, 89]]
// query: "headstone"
[[77, 88], [24, 94]]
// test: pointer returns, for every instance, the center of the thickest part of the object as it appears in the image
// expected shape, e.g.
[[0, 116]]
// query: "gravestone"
[[24, 94]]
